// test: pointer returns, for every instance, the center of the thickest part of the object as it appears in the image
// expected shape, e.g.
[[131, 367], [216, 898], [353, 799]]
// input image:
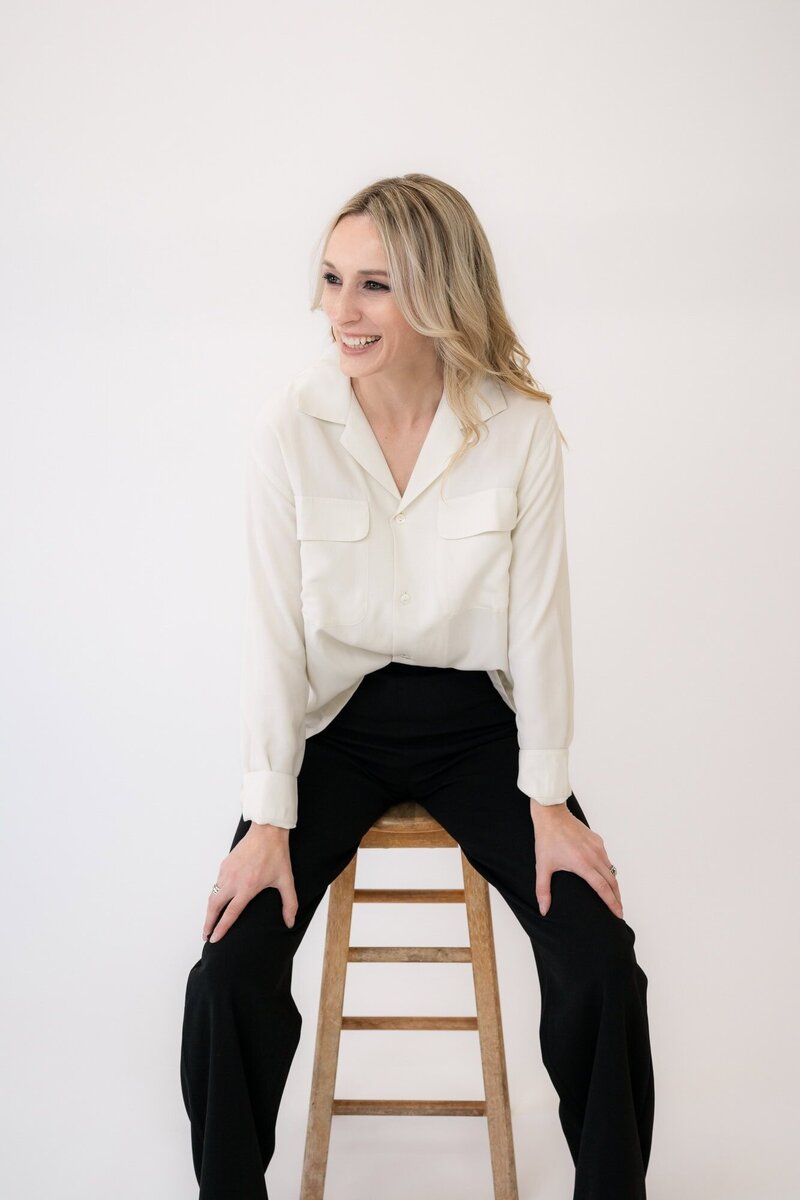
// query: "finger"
[[543, 889], [228, 917], [604, 867], [289, 900], [604, 890], [602, 863], [614, 884], [216, 902]]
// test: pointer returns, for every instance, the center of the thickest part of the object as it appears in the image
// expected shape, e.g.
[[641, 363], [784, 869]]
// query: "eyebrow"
[[325, 263]]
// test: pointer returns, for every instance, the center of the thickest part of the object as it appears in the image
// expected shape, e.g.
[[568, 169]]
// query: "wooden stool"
[[409, 825]]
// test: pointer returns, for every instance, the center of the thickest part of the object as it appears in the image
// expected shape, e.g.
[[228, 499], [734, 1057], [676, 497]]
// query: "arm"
[[539, 619], [274, 689]]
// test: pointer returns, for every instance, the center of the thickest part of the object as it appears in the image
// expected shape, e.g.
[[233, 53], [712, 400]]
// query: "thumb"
[[290, 905], [543, 893]]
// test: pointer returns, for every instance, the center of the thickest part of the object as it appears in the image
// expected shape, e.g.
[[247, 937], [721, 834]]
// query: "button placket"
[[404, 596]]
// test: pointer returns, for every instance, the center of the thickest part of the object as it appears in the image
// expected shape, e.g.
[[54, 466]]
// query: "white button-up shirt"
[[345, 575]]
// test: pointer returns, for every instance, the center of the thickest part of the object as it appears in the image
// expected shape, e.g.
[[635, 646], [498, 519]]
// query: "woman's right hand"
[[259, 860]]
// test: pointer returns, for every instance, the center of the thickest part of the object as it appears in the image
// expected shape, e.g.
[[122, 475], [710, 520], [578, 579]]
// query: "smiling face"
[[357, 300]]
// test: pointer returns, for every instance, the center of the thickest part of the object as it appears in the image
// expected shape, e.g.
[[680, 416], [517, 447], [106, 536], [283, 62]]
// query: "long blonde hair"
[[444, 280]]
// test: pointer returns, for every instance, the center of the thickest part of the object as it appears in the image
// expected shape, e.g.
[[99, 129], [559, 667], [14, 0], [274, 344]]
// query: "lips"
[[360, 349]]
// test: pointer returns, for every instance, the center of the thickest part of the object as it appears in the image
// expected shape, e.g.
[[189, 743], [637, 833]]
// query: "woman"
[[408, 635]]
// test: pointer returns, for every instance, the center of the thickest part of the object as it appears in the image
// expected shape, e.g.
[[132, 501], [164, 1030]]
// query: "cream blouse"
[[345, 575]]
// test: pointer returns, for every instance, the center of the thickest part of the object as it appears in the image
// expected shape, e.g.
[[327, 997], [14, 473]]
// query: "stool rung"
[[409, 825], [409, 954], [408, 896], [410, 1022], [409, 1108]]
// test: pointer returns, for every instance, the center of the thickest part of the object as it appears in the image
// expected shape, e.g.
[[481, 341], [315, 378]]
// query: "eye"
[[333, 280]]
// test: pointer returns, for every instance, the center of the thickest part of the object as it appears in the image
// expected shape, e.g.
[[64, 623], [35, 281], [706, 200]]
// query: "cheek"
[[398, 335], [392, 324]]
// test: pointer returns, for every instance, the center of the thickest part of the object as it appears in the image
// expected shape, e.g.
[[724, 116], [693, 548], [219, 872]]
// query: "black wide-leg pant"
[[446, 739]]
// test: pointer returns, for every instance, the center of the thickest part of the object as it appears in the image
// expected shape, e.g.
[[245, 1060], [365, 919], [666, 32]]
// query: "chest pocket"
[[475, 548], [334, 557]]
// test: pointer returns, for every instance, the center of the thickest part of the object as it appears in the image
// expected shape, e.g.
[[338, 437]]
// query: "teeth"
[[355, 342]]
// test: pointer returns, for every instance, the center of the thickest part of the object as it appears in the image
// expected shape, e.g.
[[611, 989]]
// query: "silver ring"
[[216, 886], [613, 870]]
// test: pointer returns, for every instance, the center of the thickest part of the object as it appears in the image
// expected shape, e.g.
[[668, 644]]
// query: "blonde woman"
[[408, 636]]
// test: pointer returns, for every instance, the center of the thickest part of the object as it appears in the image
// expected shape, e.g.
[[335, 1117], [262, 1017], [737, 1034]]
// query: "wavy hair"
[[444, 280]]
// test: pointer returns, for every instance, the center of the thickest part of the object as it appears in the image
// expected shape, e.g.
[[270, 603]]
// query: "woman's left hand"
[[563, 843]]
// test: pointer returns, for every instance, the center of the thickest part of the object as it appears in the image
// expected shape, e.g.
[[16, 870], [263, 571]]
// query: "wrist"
[[537, 809], [265, 826]]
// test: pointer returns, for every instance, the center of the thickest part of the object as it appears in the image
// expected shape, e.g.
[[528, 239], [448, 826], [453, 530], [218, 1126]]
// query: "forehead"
[[355, 245]]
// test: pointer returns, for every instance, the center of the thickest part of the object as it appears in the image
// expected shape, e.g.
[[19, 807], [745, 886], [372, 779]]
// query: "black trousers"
[[446, 739]]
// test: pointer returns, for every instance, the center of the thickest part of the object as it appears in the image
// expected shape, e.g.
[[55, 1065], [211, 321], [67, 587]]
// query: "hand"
[[259, 860], [563, 843]]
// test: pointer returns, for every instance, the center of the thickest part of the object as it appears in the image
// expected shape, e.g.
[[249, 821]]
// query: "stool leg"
[[490, 1032], [329, 1028], [594, 1027]]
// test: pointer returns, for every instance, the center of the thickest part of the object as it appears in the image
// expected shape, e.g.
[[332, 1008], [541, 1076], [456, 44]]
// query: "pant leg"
[[594, 1032], [241, 1026]]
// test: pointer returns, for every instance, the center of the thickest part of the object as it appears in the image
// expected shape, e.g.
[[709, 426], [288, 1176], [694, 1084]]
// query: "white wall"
[[167, 169]]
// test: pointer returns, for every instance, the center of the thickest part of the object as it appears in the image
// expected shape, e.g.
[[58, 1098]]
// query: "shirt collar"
[[325, 392]]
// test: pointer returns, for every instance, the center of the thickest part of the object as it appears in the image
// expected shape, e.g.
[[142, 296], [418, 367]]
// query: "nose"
[[346, 307]]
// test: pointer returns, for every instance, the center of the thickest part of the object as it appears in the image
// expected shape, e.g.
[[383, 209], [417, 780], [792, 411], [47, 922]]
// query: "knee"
[[602, 944], [244, 960], [613, 969]]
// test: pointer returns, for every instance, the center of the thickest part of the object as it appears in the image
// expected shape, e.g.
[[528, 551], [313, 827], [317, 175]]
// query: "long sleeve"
[[540, 627], [274, 687]]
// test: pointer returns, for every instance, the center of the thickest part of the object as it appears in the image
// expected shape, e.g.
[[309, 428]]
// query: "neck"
[[400, 402]]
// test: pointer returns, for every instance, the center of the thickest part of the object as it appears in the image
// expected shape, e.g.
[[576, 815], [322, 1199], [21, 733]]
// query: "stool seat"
[[406, 825], [409, 825]]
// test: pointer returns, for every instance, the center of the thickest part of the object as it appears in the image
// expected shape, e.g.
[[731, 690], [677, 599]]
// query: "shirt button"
[[405, 598], [400, 518]]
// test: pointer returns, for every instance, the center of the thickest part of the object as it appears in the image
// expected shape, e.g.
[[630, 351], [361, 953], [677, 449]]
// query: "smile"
[[356, 343]]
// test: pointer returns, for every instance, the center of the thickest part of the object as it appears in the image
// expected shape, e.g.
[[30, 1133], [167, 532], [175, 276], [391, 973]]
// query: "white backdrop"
[[167, 170]]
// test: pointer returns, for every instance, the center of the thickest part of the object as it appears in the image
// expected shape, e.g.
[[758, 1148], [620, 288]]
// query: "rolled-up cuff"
[[270, 798], [544, 775]]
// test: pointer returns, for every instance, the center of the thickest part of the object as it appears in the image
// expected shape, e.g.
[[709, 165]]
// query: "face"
[[357, 299]]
